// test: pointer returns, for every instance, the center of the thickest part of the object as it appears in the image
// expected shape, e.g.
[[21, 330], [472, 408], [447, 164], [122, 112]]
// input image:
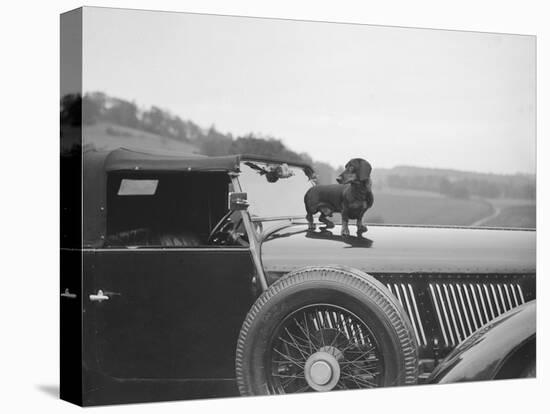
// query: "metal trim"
[[476, 326], [488, 298], [449, 329], [495, 299], [521, 294], [409, 311], [483, 304], [459, 338], [466, 316], [254, 243], [506, 290], [457, 310], [417, 315], [502, 298], [516, 301]]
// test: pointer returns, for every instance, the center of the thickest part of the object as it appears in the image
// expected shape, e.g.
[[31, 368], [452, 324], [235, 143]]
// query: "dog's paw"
[[311, 227], [345, 231], [329, 224], [361, 230]]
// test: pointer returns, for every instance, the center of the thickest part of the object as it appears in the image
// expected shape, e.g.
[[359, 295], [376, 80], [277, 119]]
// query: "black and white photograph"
[[256, 206], [291, 206]]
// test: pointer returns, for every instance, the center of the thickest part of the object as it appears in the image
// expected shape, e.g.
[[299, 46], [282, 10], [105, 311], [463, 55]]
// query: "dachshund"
[[352, 197]]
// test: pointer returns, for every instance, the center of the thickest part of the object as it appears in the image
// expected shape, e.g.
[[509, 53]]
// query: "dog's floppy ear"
[[347, 164], [364, 169]]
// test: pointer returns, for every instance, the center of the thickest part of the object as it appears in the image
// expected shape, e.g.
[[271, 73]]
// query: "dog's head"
[[356, 170]]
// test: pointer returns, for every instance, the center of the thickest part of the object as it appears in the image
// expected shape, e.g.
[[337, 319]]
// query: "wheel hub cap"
[[322, 370]]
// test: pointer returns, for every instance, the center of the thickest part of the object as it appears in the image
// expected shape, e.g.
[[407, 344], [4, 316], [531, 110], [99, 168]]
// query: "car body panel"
[[171, 313], [482, 354], [403, 249]]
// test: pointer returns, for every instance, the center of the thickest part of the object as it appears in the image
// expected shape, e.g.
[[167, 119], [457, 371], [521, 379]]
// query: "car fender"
[[483, 354]]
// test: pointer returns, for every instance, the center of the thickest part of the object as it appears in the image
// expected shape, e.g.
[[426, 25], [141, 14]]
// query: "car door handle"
[[68, 294], [99, 296]]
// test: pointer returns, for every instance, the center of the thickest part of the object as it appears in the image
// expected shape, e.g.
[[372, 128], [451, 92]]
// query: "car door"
[[167, 313]]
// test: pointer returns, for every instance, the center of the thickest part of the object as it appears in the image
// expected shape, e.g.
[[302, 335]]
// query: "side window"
[[138, 186], [168, 209]]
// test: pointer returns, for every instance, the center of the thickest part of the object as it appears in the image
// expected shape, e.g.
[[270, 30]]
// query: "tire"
[[321, 329]]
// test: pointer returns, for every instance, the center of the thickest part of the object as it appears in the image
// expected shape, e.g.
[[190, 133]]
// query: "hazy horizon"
[[414, 97]]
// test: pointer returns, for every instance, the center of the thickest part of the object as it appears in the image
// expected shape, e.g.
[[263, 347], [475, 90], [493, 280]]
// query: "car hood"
[[402, 249]]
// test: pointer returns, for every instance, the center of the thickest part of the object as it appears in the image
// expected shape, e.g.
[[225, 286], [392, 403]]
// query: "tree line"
[[97, 107], [485, 186]]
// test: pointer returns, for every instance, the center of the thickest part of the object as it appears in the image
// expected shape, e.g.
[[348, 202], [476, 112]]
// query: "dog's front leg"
[[345, 219], [361, 228]]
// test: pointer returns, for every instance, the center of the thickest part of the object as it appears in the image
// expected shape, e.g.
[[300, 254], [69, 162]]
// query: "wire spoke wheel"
[[323, 347], [325, 329]]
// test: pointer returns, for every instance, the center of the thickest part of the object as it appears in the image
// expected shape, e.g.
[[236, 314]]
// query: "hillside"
[[105, 135], [403, 194], [458, 184]]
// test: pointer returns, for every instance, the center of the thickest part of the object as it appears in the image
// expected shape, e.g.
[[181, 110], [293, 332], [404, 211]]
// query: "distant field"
[[424, 208], [515, 216], [409, 208], [507, 202]]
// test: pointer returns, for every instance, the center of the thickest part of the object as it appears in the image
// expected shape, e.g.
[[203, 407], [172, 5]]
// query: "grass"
[[393, 206], [105, 135], [422, 209], [515, 216]]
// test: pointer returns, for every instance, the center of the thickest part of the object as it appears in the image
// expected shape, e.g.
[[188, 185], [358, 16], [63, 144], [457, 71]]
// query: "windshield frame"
[[307, 170]]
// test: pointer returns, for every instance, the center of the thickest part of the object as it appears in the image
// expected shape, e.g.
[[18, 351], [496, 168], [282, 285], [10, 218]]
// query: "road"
[[482, 221]]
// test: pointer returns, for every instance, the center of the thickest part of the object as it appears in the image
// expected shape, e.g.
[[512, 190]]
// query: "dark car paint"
[[171, 313], [403, 249], [102, 390], [482, 355]]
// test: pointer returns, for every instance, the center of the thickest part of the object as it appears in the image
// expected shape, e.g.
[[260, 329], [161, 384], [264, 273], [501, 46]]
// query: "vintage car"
[[200, 278]]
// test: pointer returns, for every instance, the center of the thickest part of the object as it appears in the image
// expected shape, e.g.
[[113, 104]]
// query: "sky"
[[395, 96]]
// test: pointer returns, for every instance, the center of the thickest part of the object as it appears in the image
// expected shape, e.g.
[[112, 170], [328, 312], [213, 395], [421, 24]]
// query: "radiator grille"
[[462, 308], [404, 293]]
